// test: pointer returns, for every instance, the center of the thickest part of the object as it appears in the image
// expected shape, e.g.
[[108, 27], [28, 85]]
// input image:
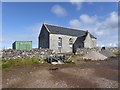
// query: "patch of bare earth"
[[98, 74], [72, 80], [89, 74], [29, 76]]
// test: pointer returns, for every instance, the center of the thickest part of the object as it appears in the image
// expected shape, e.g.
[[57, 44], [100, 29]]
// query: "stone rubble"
[[93, 55], [98, 55], [107, 53]]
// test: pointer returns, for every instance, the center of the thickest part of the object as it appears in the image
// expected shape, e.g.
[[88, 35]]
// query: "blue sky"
[[23, 20]]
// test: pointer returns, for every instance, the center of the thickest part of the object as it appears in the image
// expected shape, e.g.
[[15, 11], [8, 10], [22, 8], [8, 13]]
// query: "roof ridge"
[[65, 27], [56, 29]]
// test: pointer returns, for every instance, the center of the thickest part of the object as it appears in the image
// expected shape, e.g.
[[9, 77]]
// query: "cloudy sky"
[[23, 20]]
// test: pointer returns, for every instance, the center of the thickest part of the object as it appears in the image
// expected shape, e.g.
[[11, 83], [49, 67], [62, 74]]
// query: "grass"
[[70, 62], [33, 60], [77, 55], [0, 64], [21, 61], [116, 53], [74, 56]]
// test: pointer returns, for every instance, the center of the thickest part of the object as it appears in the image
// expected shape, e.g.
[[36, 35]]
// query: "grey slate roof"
[[66, 31]]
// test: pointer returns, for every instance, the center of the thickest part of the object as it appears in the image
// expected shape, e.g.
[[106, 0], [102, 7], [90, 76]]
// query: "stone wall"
[[13, 54], [86, 50], [43, 53]]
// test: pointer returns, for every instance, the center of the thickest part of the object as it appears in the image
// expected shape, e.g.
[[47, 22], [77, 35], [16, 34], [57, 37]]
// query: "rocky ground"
[[85, 74]]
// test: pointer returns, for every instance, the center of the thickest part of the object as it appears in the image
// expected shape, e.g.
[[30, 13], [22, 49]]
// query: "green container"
[[22, 45]]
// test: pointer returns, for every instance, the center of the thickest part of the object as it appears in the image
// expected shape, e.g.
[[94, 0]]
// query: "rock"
[[43, 53], [13, 54]]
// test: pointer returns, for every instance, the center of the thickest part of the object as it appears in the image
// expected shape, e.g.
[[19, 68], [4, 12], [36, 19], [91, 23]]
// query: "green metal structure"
[[22, 45]]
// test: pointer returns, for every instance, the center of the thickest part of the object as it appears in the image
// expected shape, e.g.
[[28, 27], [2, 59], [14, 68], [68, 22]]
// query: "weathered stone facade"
[[89, 42], [65, 43]]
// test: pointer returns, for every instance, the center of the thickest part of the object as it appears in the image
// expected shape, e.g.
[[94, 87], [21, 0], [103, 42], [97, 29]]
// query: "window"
[[70, 41], [60, 42]]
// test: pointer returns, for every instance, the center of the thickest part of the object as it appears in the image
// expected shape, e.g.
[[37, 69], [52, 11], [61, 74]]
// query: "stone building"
[[62, 39]]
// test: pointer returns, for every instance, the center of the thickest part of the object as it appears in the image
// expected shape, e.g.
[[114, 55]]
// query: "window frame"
[[71, 41], [59, 42]]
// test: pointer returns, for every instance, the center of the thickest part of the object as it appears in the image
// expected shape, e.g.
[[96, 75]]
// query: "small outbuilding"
[[22, 45]]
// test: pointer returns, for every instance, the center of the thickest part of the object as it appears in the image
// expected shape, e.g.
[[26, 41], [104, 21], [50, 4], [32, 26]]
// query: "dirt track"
[[101, 74]]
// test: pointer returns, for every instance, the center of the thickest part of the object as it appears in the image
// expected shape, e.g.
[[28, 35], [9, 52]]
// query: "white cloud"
[[112, 20], [100, 33], [105, 30], [77, 3], [112, 44], [59, 11], [88, 19], [75, 23]]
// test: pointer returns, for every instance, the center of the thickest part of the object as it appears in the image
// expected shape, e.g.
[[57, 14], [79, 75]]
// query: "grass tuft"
[[21, 61], [77, 55], [116, 53], [70, 62]]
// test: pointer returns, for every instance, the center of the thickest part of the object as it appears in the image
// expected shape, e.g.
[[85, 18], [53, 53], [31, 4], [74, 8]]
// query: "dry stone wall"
[[43, 53], [97, 49], [13, 54]]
